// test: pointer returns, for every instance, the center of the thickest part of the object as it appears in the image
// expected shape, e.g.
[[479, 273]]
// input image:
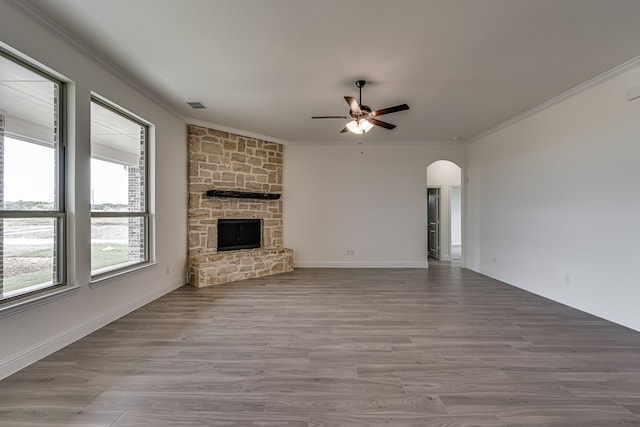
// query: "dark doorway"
[[433, 219]]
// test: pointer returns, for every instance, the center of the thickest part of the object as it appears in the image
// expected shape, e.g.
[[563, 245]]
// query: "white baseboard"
[[33, 354], [576, 303], [359, 264]]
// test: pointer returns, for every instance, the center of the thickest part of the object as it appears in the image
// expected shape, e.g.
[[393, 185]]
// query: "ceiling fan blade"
[[344, 130], [353, 104], [330, 117], [389, 110], [381, 123]]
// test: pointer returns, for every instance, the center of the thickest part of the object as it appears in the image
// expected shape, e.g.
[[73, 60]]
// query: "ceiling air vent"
[[196, 105]]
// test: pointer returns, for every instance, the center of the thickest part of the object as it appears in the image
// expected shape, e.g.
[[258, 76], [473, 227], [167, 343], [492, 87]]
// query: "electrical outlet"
[[494, 260], [168, 270], [351, 252], [567, 279]]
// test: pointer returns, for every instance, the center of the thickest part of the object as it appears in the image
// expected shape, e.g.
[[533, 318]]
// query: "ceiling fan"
[[363, 118]]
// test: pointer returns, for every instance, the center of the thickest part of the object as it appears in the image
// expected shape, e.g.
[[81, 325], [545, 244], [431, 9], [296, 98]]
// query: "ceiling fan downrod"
[[360, 84]]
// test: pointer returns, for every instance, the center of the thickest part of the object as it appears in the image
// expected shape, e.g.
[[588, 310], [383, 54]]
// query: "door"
[[433, 220]]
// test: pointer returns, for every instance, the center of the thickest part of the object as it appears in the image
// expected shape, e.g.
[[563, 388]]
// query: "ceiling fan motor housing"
[[365, 111]]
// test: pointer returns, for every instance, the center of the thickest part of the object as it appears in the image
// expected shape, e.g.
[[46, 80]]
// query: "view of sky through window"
[[34, 180]]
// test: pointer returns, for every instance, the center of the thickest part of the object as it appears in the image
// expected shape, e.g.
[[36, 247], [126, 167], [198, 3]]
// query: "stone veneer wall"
[[225, 161]]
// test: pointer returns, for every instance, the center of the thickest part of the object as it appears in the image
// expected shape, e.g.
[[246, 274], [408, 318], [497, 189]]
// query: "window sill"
[[117, 274], [27, 303]]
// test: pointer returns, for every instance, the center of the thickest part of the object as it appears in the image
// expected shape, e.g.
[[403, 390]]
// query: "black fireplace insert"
[[234, 234]]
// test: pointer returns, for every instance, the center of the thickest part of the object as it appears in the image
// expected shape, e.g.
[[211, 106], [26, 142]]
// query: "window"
[[119, 206], [32, 209]]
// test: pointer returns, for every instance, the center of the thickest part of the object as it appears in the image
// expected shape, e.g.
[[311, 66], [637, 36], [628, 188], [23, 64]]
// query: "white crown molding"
[[72, 41], [607, 75], [229, 129]]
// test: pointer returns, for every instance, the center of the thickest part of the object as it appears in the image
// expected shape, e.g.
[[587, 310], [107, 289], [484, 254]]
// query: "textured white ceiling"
[[267, 66]]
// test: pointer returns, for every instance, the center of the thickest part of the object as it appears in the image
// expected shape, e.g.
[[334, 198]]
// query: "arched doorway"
[[444, 210]]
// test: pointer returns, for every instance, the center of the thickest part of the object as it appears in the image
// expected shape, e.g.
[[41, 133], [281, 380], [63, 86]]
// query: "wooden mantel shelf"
[[242, 194]]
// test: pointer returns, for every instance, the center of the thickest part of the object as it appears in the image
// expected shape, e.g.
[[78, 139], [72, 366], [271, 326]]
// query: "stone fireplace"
[[231, 178]]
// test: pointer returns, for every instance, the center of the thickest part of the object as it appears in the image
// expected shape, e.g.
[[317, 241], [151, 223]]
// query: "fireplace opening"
[[234, 234]]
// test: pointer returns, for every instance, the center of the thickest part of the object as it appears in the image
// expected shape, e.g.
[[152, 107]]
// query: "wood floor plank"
[[323, 347], [58, 417], [630, 403], [355, 403], [390, 386], [402, 420], [134, 418], [433, 372], [505, 405], [567, 418], [179, 402]]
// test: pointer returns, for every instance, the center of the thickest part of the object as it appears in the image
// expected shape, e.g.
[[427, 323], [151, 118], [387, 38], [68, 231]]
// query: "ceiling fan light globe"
[[354, 128], [365, 125]]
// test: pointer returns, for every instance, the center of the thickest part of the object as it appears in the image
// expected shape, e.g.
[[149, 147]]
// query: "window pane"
[[29, 176], [117, 242], [29, 101], [109, 186], [28, 260], [118, 162]]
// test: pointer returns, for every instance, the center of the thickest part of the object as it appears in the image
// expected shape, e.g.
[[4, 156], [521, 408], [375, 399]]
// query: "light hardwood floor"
[[407, 347]]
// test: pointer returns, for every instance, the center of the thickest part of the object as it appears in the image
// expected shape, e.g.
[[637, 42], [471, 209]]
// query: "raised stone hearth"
[[224, 267], [225, 161]]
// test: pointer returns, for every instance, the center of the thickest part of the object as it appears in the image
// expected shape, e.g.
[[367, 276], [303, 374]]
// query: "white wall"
[[554, 199], [456, 215], [367, 198], [444, 174], [33, 333]]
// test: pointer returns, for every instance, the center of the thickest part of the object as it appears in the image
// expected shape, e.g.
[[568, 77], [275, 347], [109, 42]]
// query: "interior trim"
[[229, 129], [607, 75]]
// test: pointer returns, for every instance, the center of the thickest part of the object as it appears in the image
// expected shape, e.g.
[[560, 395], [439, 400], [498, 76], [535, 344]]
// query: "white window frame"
[[37, 292], [102, 274]]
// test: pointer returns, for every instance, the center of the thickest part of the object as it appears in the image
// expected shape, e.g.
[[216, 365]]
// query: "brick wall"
[[2, 123], [56, 261], [136, 200]]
